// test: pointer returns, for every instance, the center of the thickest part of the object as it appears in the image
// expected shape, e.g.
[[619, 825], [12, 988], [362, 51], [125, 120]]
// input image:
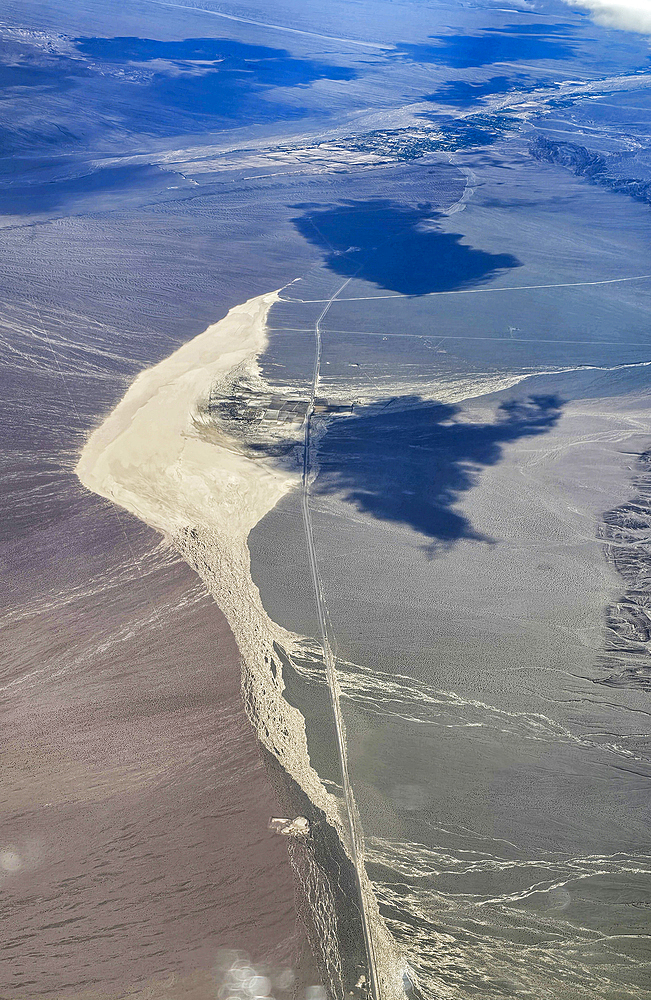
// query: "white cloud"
[[629, 15]]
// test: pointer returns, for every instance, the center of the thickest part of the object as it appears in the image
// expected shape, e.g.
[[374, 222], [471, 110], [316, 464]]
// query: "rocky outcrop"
[[626, 532], [596, 167]]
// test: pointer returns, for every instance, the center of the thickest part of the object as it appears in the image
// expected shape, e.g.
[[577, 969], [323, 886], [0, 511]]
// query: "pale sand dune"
[[149, 457]]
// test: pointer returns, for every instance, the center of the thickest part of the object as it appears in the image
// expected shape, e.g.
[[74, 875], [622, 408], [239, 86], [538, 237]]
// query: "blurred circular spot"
[[241, 972], [10, 861], [558, 899], [227, 956], [285, 980], [409, 797], [315, 993], [259, 987]]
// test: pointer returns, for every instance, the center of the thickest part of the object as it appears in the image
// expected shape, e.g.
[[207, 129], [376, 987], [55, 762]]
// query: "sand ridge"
[[147, 455], [151, 458]]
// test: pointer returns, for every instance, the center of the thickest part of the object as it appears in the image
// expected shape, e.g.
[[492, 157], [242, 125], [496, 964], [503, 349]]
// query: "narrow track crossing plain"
[[329, 656]]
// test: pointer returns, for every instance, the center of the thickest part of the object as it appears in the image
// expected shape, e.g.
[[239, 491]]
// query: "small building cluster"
[[256, 408]]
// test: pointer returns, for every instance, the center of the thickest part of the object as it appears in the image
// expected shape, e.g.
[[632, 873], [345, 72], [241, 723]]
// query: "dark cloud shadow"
[[213, 76], [25, 66], [409, 460], [464, 94], [397, 247], [511, 43]]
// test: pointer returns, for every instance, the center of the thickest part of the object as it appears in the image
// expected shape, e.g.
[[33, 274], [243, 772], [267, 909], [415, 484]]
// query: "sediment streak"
[[154, 457]]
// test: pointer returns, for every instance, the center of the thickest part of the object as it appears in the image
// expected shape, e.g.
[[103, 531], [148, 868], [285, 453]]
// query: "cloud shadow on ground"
[[411, 459], [466, 93], [512, 43], [397, 247], [213, 76]]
